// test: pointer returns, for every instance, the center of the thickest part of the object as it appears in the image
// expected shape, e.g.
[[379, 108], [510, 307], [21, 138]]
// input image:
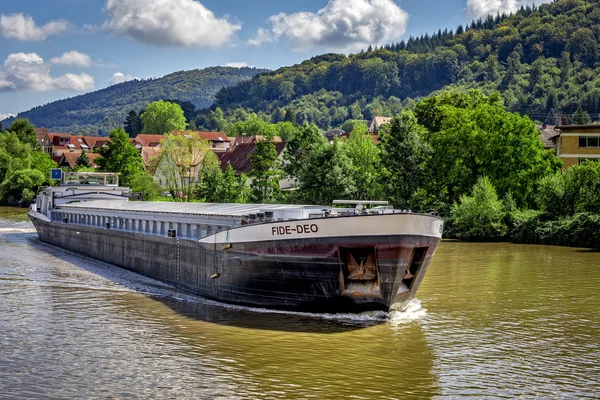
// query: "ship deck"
[[196, 209]]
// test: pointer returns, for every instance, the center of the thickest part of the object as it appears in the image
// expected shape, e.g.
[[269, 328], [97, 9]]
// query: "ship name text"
[[291, 229]]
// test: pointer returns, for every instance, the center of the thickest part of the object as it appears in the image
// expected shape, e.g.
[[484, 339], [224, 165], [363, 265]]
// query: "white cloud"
[[241, 64], [184, 23], [23, 27], [4, 116], [74, 82], [262, 36], [343, 25], [483, 8], [28, 71], [119, 77], [74, 58]]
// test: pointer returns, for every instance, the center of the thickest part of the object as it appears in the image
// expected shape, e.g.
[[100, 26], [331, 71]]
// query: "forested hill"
[[98, 112], [544, 60]]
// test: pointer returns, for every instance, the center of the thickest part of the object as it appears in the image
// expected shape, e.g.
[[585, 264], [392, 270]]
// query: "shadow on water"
[[202, 309]]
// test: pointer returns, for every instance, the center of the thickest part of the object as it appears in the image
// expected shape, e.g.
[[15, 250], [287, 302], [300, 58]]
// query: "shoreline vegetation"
[[458, 153]]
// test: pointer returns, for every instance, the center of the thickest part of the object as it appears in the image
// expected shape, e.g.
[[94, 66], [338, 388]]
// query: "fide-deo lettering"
[[294, 229]]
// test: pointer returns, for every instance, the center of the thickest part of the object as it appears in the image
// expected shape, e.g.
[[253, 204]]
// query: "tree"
[[43, 163], [479, 216], [20, 187], [364, 157], [266, 171], [223, 187], [581, 117], [327, 174], [404, 152], [145, 185], [181, 163], [299, 147], [162, 117], [474, 135], [120, 156], [83, 161], [133, 123], [14, 155], [25, 132]]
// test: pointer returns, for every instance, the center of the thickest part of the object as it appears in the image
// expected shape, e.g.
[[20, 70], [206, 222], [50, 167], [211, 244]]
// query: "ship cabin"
[[96, 200]]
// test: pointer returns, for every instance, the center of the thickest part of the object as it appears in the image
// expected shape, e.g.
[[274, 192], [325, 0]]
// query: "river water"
[[493, 320]]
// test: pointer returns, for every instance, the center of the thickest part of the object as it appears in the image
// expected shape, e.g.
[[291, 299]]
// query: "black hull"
[[300, 275]]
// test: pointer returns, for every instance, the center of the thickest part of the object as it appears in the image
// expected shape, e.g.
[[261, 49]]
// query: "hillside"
[[544, 60], [96, 113]]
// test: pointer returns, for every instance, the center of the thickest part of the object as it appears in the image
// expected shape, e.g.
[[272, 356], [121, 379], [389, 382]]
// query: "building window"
[[589, 141]]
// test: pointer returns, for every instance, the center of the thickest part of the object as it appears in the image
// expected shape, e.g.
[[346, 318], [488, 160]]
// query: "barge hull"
[[308, 274]]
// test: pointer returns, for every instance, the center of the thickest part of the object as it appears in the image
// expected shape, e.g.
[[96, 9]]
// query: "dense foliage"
[[543, 60], [99, 112], [24, 168]]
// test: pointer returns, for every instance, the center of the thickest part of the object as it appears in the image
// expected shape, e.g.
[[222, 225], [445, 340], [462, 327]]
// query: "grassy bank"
[[14, 213]]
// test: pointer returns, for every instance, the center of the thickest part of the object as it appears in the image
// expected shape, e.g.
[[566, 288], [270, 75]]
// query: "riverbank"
[[17, 214]]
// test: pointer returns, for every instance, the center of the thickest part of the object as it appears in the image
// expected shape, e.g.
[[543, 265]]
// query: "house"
[[239, 159], [56, 144], [377, 122], [576, 143], [149, 158], [219, 141], [41, 134], [547, 134], [69, 160]]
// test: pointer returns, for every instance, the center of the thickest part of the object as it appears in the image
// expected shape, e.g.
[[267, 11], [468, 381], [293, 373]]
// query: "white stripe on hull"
[[367, 225]]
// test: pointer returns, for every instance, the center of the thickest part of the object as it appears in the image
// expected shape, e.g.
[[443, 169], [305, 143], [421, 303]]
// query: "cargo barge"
[[291, 257]]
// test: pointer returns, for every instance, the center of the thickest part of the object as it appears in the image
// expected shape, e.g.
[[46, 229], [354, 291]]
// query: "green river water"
[[491, 320]]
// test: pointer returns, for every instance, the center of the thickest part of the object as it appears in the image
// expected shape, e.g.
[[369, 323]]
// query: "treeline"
[[99, 112], [543, 61]]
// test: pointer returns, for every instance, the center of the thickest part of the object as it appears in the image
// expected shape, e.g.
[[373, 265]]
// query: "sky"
[[54, 49]]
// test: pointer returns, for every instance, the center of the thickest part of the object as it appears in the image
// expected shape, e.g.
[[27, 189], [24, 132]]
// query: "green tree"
[[404, 153], [20, 187], [299, 147], [266, 171], [474, 135], [162, 117], [365, 159], [83, 161], [479, 217], [181, 162], [223, 187], [25, 132], [133, 123], [14, 155], [327, 175], [581, 117], [145, 185], [120, 156], [43, 163]]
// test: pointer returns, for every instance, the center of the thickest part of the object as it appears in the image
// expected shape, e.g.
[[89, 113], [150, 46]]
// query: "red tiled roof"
[[212, 136], [147, 139], [238, 158], [70, 159], [96, 142], [148, 154]]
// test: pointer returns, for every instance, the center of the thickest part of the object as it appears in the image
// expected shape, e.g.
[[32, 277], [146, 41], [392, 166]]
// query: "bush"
[[479, 217]]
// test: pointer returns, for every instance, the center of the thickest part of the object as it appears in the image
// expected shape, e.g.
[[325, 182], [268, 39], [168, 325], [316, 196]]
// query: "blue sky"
[[53, 49]]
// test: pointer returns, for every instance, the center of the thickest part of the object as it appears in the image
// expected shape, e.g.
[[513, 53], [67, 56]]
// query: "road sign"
[[56, 174]]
